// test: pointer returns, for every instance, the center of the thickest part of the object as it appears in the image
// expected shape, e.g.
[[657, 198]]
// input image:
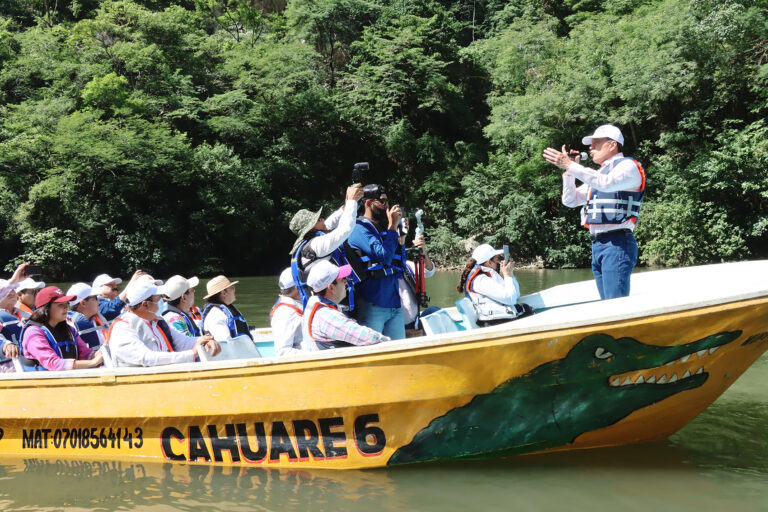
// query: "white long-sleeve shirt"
[[504, 290], [611, 177], [341, 223], [129, 350], [217, 324], [286, 328]]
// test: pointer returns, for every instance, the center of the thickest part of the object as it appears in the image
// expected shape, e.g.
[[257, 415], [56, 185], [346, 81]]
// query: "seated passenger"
[[323, 325], [285, 317], [494, 296], [84, 315], [10, 323], [25, 295], [179, 293], [48, 342], [10, 328], [220, 318], [110, 303], [140, 337]]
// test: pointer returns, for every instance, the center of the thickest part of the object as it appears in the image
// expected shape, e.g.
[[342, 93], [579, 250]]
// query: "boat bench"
[[468, 314], [237, 348], [439, 322]]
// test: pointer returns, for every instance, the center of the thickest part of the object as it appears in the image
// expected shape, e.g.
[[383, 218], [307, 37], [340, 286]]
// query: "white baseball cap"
[[103, 279], [484, 252], [606, 131], [176, 286], [140, 290], [286, 279], [80, 291], [324, 273], [29, 284]]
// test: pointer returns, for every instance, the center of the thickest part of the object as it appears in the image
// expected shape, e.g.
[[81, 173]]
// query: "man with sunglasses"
[[323, 325], [373, 252], [140, 337], [611, 197]]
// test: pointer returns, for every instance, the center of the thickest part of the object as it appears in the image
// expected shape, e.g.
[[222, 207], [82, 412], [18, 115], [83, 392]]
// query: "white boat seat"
[[439, 322], [468, 313], [236, 348], [107, 354]]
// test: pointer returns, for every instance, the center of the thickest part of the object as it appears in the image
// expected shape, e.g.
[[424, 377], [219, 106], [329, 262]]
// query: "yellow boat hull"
[[480, 393]]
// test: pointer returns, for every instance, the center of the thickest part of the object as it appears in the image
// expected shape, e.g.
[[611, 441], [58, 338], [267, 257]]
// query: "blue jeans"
[[387, 321], [613, 258]]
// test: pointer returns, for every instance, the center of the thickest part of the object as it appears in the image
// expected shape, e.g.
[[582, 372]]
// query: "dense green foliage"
[[182, 136]]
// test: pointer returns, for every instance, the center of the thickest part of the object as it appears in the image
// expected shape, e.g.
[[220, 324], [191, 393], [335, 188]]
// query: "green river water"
[[718, 462]]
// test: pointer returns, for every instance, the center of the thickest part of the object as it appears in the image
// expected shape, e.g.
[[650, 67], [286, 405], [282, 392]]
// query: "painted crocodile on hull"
[[556, 402]]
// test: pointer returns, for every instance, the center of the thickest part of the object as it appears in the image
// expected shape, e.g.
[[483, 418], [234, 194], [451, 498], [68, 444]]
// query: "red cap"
[[51, 294]]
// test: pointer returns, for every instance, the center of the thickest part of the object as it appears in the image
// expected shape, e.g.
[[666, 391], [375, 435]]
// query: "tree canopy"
[[181, 136]]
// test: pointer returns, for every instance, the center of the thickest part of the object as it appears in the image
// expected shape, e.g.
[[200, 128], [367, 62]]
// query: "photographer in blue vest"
[[611, 197], [373, 251]]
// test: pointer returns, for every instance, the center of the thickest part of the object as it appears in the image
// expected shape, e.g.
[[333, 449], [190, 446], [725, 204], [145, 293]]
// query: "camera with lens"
[[358, 171]]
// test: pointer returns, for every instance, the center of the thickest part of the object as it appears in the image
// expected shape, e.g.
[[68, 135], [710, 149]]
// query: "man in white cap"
[[140, 337], [323, 325], [84, 315], [611, 197], [179, 292], [285, 317], [110, 303], [26, 290]]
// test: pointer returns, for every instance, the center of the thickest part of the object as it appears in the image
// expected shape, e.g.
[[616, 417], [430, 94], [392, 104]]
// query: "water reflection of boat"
[[578, 374]]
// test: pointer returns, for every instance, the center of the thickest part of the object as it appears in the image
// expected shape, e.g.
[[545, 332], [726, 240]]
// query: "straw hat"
[[218, 284], [301, 224]]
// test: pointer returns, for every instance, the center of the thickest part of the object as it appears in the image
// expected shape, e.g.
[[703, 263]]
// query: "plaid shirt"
[[329, 324]]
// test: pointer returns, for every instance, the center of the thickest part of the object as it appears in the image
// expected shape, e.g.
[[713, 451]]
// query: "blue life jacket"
[[63, 343], [613, 207], [11, 327], [365, 268], [88, 329], [191, 325], [299, 271], [235, 320]]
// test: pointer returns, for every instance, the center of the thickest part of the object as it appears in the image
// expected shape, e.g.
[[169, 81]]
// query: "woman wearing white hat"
[[220, 318], [489, 284]]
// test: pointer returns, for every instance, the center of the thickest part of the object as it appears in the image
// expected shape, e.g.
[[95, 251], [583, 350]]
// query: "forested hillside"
[[182, 136]]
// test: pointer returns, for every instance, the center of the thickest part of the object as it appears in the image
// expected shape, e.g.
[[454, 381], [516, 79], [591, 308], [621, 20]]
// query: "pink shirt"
[[36, 346]]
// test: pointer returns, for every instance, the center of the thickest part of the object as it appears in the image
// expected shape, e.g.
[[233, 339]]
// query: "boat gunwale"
[[486, 335]]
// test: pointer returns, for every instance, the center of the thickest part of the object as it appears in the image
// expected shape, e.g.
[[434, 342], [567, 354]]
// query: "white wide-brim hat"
[[606, 131], [484, 252]]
